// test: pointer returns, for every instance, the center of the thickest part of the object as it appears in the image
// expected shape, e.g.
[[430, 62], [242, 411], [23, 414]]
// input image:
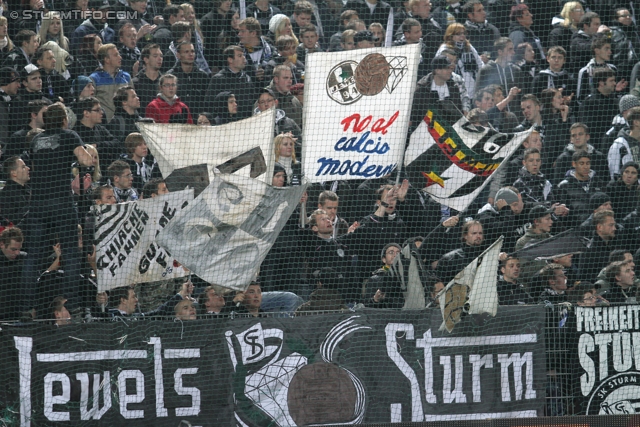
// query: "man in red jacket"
[[167, 107]]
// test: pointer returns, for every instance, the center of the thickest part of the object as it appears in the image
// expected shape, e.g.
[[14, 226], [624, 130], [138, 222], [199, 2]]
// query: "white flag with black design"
[[244, 147], [225, 234], [126, 248]]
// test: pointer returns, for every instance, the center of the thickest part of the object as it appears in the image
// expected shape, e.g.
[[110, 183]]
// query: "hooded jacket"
[[504, 222], [624, 149], [575, 194], [162, 110], [506, 78], [580, 50], [241, 84], [221, 109], [584, 84], [563, 163], [547, 79], [519, 34], [482, 36]]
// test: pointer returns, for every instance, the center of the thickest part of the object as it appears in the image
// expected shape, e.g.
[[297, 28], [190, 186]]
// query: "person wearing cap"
[[31, 91], [109, 78], [504, 217], [370, 11], [364, 39], [9, 86], [580, 137], [26, 44], [619, 122], [437, 90], [626, 147], [541, 219], [233, 78], [95, 24], [54, 86]]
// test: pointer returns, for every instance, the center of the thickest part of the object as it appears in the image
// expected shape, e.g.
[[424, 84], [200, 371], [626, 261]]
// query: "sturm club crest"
[[349, 81], [619, 394]]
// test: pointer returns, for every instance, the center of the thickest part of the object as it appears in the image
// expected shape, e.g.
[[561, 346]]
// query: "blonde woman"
[[280, 25], [52, 30], [190, 17], [469, 62], [5, 42], [568, 24], [284, 149], [378, 31]]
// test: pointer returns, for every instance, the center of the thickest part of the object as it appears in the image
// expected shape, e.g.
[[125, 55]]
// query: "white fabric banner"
[[225, 234], [126, 250], [177, 146], [357, 107]]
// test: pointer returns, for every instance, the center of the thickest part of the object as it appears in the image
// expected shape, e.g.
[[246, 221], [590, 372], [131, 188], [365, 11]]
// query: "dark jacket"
[[19, 108], [108, 35], [192, 87], [580, 49], [143, 171], [129, 58], [624, 200], [54, 86], [502, 223], [513, 293], [262, 16], [380, 13], [482, 36], [547, 79], [563, 164], [240, 84], [616, 295], [575, 195], [221, 109], [535, 189], [519, 34], [108, 146], [5, 99], [14, 202], [146, 89], [297, 70], [123, 123], [455, 261], [597, 111], [450, 108], [561, 36], [595, 258], [507, 77], [625, 49], [16, 59], [162, 36], [10, 289]]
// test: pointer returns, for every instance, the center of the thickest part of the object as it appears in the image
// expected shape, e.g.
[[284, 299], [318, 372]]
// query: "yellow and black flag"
[[455, 162]]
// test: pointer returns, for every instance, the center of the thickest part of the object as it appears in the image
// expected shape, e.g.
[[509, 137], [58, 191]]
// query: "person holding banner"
[[455, 261]]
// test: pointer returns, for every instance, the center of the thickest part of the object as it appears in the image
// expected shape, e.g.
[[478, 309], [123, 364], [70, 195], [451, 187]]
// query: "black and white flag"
[[126, 250], [225, 234]]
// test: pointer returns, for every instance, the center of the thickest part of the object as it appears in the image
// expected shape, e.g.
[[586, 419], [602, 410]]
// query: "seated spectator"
[[153, 188], [281, 87], [309, 38], [455, 261], [185, 310], [147, 81], [5, 40], [625, 190], [286, 56], [520, 29], [127, 39], [91, 131], [11, 264], [263, 11], [328, 201], [205, 119], [257, 50], [623, 148], [96, 24], [192, 81], [532, 184], [126, 304], [347, 40], [621, 276], [121, 178], [171, 14], [412, 34], [580, 141], [285, 155], [167, 107], [562, 32], [225, 108], [510, 290], [619, 122], [15, 196], [555, 76], [143, 166], [109, 78], [554, 285], [599, 107], [347, 21]]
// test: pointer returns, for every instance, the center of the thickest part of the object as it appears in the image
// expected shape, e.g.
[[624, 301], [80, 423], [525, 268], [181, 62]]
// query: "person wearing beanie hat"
[[504, 218], [276, 21], [599, 202], [9, 86], [263, 11], [437, 89], [279, 175], [79, 85], [626, 146], [627, 102]]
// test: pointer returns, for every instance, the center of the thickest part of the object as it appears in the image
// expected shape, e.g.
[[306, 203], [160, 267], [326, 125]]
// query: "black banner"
[[607, 366], [369, 366]]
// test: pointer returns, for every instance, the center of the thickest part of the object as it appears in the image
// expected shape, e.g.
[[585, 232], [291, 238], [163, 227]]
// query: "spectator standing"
[[480, 33], [262, 11], [257, 50], [126, 115], [580, 141], [599, 107], [281, 85], [127, 37], [510, 290], [91, 131], [26, 45], [501, 71], [15, 196], [233, 78], [626, 148], [9, 86], [11, 265], [109, 78], [586, 84], [54, 86], [520, 29], [193, 81], [146, 82], [562, 32], [595, 257], [31, 91]]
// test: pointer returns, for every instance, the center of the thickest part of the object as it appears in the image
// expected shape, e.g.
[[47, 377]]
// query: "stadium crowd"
[[76, 77]]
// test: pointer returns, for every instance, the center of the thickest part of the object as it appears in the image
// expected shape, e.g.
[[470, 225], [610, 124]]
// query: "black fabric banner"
[[370, 366]]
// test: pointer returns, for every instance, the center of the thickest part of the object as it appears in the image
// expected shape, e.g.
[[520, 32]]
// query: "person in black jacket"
[[91, 131], [143, 167], [625, 191], [54, 86], [510, 290], [31, 91], [233, 78], [580, 141], [578, 186], [554, 283], [162, 34], [625, 42], [225, 108], [504, 218], [581, 40], [15, 197], [126, 114], [603, 104], [147, 80], [26, 43], [520, 29], [480, 33], [603, 242], [621, 276], [379, 12], [455, 261], [11, 264], [192, 81], [556, 76]]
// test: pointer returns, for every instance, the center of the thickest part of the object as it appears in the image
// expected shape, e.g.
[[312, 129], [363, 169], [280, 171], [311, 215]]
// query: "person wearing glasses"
[[121, 177], [91, 131], [167, 107]]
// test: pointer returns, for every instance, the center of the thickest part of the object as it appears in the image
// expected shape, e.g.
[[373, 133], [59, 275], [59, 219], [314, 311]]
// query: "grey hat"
[[627, 102], [440, 62], [507, 195]]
